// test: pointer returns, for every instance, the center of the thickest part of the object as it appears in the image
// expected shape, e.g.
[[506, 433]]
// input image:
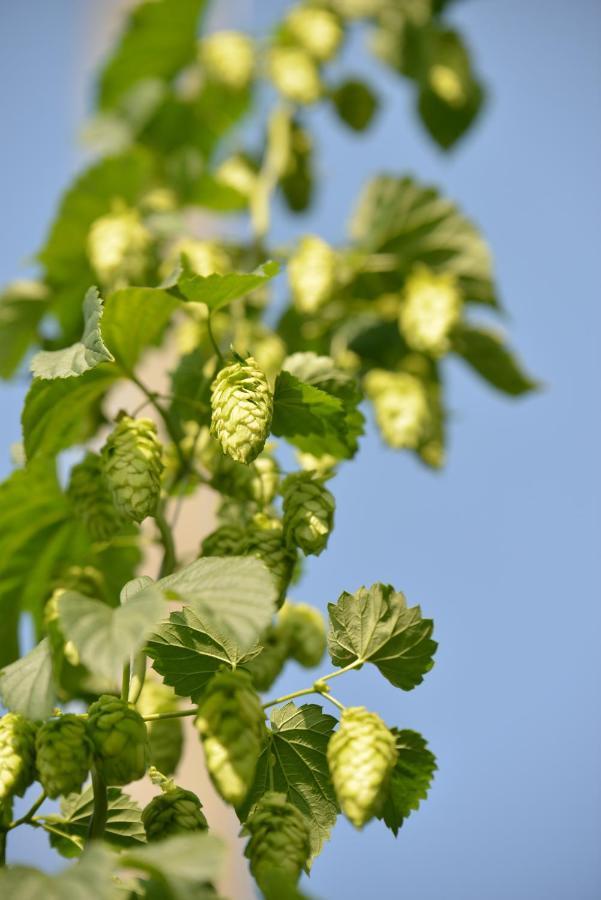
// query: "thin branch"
[[180, 713], [26, 819]]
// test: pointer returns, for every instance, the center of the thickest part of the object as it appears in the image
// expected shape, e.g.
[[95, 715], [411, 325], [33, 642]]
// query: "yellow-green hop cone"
[[400, 405], [63, 755], [17, 755], [177, 811], [306, 633], [308, 513], [227, 540], [229, 58], [318, 31], [133, 466], [231, 724], [279, 838], [118, 245], [241, 410], [265, 668], [312, 273], [120, 739], [91, 499], [430, 309], [294, 74], [165, 736], [265, 540], [265, 479], [361, 755]]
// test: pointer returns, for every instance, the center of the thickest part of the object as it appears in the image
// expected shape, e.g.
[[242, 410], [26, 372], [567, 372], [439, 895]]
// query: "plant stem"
[[99, 816], [169, 561], [301, 693], [337, 672], [327, 696], [180, 713], [125, 681], [152, 398], [2, 847], [316, 687], [138, 677], [212, 337], [26, 819]]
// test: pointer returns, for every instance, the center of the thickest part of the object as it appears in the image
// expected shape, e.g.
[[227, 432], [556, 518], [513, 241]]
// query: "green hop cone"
[[91, 499], [227, 540], [133, 467], [265, 540], [279, 838], [63, 755], [265, 668], [17, 755], [361, 755], [231, 724], [241, 409], [120, 740], [400, 405], [165, 736], [176, 811], [308, 513], [306, 633], [265, 479]]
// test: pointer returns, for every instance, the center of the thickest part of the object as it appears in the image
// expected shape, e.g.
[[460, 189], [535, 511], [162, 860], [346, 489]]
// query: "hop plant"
[[229, 58], [429, 310], [165, 736], [132, 465], [401, 407], [265, 479], [119, 738], [308, 513], [17, 755], [118, 245], [361, 756], [312, 273], [63, 755], [231, 724], [294, 74], [317, 31], [265, 668], [241, 409], [265, 540], [305, 632], [227, 540], [176, 811], [279, 838], [205, 257], [91, 499]]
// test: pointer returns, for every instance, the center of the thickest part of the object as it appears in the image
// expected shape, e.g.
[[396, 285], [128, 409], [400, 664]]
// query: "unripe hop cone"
[[306, 633], [120, 740], [63, 755], [279, 838], [165, 736], [265, 668], [227, 540], [133, 467], [241, 410], [17, 755], [361, 755], [92, 500], [308, 513], [265, 539], [177, 811], [231, 724]]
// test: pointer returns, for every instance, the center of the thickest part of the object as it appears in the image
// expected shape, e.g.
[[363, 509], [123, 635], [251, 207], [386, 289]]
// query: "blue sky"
[[502, 548]]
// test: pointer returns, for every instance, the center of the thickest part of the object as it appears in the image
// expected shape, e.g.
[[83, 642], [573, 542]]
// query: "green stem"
[[99, 816], [212, 338], [138, 677], [26, 819], [179, 714], [2, 847], [152, 398], [317, 687], [327, 696], [169, 560], [292, 696], [125, 681], [337, 672]]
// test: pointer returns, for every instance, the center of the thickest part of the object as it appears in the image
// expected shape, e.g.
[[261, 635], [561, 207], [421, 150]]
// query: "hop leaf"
[[361, 757], [176, 811], [242, 406], [17, 755], [165, 736], [308, 513], [401, 407], [91, 499], [120, 740], [279, 838], [63, 755], [231, 724], [305, 633], [133, 466]]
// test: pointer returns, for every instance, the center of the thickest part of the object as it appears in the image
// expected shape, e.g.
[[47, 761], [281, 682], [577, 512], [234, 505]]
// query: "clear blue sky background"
[[502, 549]]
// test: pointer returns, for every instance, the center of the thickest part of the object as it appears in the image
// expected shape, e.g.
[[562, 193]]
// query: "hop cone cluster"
[[401, 407], [17, 755], [279, 838], [175, 812], [361, 755], [430, 308], [241, 409], [305, 633], [231, 723], [312, 273], [120, 740], [133, 466], [63, 755], [92, 500], [165, 736], [308, 513]]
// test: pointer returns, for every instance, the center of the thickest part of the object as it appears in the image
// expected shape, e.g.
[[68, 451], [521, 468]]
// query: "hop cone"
[[241, 404], [361, 756], [308, 513], [92, 500], [120, 740], [265, 540], [227, 540], [430, 309], [279, 838], [118, 245], [133, 466], [17, 755], [165, 736], [231, 723], [265, 479], [318, 31], [401, 407], [229, 58], [265, 668], [306, 633], [312, 273], [63, 755], [175, 812], [294, 74]]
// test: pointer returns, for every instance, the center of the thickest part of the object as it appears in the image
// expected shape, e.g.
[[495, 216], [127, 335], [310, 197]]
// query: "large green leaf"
[[217, 291], [238, 594], [410, 780], [376, 625], [106, 637], [355, 103], [135, 318], [187, 651], [59, 413], [27, 685], [186, 859], [123, 825], [294, 762], [158, 40], [415, 224], [85, 354], [22, 306], [89, 879], [485, 352]]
